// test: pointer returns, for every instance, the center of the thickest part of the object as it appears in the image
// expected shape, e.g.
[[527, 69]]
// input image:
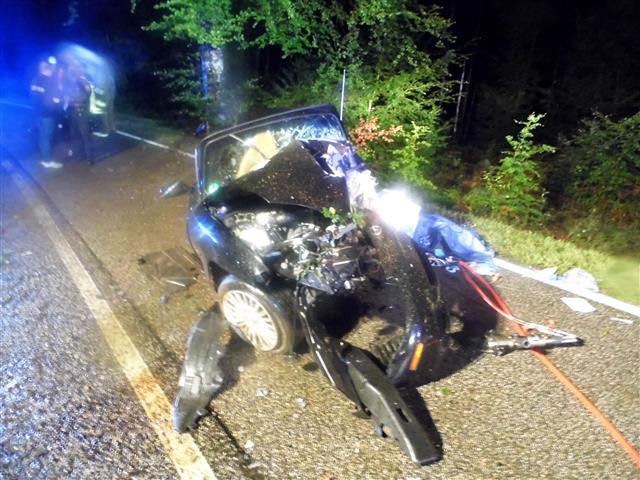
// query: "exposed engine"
[[329, 258], [260, 230]]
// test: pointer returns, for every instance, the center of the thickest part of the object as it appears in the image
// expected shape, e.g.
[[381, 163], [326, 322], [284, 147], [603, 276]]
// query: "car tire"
[[265, 320]]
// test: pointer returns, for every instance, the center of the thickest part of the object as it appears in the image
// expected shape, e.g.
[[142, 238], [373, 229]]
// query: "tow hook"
[[503, 345]]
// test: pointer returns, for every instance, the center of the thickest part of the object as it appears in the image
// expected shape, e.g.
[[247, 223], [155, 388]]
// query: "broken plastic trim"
[[353, 372], [389, 411], [201, 375]]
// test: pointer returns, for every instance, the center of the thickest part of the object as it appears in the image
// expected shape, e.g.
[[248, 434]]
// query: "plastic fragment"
[[578, 304], [262, 392], [249, 446], [581, 278]]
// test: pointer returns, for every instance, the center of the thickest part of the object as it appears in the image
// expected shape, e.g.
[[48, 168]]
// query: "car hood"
[[292, 177]]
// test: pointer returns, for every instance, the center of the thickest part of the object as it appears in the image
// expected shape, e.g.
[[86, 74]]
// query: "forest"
[[522, 113]]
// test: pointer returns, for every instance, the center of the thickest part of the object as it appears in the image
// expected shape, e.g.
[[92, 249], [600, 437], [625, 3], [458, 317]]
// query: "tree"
[[397, 56]]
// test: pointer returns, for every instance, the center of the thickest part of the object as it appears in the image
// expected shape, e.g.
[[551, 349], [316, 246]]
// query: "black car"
[[279, 220]]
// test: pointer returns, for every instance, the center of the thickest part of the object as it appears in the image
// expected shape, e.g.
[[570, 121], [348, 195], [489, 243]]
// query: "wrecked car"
[[286, 221]]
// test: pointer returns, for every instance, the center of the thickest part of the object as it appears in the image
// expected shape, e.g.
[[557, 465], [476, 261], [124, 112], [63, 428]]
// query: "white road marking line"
[[183, 451], [151, 142], [119, 132], [582, 292], [14, 104]]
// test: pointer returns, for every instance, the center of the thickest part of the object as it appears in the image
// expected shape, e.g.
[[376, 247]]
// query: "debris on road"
[[11, 384], [575, 277], [581, 278], [175, 269], [578, 304], [249, 446], [626, 321], [262, 392]]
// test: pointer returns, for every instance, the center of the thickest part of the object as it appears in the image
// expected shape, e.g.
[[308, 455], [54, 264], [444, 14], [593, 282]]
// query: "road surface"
[[71, 405]]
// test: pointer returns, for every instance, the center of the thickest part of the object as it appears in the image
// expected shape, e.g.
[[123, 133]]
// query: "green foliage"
[[186, 93], [200, 21], [605, 167], [397, 57], [412, 158], [601, 172], [616, 275], [513, 190], [336, 218]]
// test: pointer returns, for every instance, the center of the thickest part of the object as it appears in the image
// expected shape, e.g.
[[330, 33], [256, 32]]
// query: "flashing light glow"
[[398, 210]]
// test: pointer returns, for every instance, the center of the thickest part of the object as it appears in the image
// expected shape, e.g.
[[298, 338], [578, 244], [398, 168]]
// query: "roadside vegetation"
[[563, 200]]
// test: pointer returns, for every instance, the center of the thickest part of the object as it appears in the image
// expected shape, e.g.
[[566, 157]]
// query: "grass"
[[617, 276]]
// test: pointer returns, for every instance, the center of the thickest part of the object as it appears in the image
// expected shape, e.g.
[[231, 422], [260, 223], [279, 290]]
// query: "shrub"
[[513, 190], [601, 196], [604, 158]]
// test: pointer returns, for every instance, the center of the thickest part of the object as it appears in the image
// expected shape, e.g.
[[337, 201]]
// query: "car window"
[[234, 155]]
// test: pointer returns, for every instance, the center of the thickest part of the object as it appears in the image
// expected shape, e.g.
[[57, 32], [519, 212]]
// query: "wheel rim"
[[245, 312]]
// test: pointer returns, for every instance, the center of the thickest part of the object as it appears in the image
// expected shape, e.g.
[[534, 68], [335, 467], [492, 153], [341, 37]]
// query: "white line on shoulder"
[[183, 451]]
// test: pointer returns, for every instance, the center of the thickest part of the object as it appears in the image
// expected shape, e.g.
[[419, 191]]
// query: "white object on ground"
[[11, 384], [575, 276], [155, 144], [622, 320], [581, 278], [249, 445], [578, 304], [593, 296], [262, 392]]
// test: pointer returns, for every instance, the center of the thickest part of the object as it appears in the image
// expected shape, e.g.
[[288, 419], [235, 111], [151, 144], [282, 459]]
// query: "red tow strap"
[[486, 291]]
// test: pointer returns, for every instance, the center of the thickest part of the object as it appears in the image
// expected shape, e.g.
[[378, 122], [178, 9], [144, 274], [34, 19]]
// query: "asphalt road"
[[69, 410]]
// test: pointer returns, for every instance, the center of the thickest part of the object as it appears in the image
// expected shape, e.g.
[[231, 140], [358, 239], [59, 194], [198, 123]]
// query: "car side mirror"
[[174, 189]]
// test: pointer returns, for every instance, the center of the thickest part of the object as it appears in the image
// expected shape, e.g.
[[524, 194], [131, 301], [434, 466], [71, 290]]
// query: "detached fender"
[[417, 295]]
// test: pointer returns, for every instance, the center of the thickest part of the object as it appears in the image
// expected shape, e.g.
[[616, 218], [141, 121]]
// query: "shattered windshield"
[[245, 151]]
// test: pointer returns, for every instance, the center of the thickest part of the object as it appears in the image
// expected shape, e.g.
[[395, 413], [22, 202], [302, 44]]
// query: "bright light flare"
[[397, 209]]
